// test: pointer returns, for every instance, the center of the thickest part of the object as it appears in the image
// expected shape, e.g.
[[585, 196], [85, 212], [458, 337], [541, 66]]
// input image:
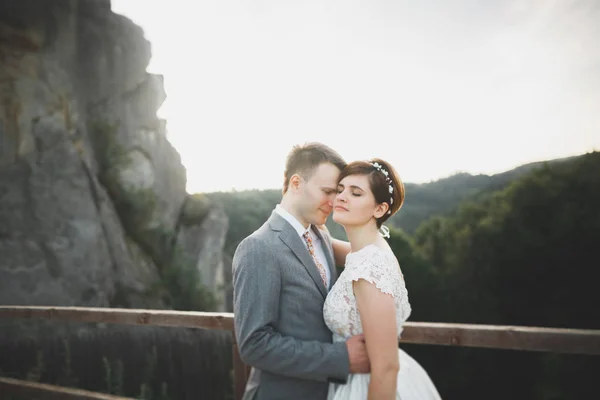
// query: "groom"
[[281, 275]]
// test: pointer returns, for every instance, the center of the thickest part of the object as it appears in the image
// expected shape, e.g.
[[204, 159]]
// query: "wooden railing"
[[572, 341], [34, 390]]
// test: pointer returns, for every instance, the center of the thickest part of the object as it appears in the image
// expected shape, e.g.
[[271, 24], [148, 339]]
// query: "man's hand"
[[357, 353]]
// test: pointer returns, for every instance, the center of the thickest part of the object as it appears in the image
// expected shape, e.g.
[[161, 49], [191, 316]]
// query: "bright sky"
[[434, 87]]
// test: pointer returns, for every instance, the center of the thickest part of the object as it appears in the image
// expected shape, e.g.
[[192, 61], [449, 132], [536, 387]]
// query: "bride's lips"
[[338, 208]]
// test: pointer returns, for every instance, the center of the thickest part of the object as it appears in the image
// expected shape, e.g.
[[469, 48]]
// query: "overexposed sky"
[[435, 87]]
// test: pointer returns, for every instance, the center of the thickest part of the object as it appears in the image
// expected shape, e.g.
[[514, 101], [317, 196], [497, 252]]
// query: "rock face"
[[202, 244], [91, 191]]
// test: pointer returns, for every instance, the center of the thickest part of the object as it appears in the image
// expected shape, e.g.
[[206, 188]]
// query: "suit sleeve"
[[256, 296]]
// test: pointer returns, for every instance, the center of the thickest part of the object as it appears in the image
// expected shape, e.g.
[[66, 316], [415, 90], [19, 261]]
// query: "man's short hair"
[[305, 159]]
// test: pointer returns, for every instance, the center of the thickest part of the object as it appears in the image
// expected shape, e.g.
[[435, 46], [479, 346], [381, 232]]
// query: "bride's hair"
[[382, 177]]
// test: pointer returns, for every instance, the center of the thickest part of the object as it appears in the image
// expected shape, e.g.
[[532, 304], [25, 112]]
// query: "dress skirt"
[[413, 383]]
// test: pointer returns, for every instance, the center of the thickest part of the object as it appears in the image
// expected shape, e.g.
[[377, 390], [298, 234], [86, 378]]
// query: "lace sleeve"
[[379, 270]]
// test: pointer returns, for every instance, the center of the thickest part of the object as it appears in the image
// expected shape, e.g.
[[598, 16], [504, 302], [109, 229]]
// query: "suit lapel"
[[292, 240], [289, 236]]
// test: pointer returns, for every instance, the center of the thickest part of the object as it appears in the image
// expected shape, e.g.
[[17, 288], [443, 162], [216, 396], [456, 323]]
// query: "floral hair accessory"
[[385, 231], [380, 168]]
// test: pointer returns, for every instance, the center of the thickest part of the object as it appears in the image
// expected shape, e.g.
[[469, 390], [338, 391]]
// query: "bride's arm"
[[378, 316], [340, 251], [340, 247]]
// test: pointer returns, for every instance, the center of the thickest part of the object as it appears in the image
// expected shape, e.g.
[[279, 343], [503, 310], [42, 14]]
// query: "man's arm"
[[256, 295]]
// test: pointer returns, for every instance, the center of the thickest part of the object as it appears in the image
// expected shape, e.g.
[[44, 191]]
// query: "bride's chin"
[[335, 218]]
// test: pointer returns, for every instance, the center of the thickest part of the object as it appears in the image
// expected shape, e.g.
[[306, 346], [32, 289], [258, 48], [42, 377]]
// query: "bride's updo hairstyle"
[[386, 185]]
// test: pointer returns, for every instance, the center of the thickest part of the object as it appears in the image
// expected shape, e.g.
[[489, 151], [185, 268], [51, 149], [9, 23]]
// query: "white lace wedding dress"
[[379, 266]]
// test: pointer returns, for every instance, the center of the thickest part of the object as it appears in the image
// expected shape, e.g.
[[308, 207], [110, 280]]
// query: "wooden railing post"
[[239, 371]]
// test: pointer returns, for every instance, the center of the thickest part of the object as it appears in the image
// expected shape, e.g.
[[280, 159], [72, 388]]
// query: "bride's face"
[[355, 203]]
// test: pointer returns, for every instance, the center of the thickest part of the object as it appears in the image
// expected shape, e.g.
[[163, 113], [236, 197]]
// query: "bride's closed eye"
[[355, 193]]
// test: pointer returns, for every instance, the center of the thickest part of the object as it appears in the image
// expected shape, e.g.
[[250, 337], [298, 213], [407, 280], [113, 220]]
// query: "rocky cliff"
[[93, 206]]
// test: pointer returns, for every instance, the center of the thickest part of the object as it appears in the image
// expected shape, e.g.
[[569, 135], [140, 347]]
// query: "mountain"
[[247, 210], [442, 196]]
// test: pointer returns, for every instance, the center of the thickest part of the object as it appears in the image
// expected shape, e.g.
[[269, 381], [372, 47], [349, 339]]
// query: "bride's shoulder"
[[375, 264], [371, 254]]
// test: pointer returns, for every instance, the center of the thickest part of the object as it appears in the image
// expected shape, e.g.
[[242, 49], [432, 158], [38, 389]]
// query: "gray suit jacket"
[[278, 299]]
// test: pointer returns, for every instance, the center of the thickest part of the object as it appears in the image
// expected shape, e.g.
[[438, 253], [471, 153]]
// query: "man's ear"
[[380, 210], [295, 182]]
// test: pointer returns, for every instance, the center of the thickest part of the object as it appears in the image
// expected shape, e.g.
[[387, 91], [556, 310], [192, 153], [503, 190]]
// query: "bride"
[[370, 296]]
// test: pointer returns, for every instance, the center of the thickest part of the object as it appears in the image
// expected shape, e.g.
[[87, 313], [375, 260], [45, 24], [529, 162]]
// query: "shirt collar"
[[300, 229]]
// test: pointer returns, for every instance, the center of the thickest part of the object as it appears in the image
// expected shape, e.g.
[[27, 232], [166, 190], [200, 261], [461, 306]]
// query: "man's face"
[[318, 193]]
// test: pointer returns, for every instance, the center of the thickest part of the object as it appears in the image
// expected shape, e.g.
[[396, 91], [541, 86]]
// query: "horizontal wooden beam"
[[559, 340], [187, 319], [42, 391]]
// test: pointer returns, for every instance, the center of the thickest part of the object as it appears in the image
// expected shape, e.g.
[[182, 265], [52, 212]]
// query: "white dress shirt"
[[319, 252]]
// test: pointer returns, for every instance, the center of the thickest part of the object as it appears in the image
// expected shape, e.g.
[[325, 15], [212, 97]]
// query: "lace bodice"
[[376, 265]]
